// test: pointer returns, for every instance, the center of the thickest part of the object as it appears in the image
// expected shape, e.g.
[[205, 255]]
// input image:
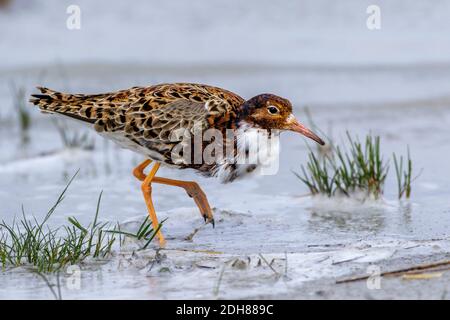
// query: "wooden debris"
[[409, 270]]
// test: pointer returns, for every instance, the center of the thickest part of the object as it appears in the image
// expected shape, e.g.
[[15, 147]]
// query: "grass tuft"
[[145, 232], [404, 175], [28, 242], [23, 115], [357, 167]]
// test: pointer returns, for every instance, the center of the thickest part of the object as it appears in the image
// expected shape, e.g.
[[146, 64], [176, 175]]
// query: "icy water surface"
[[310, 238]]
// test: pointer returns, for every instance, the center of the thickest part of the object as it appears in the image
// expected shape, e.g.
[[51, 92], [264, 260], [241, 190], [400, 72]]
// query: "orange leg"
[[138, 172], [192, 188], [194, 191], [147, 192]]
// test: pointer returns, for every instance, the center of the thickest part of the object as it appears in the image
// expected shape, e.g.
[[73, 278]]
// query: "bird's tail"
[[71, 105]]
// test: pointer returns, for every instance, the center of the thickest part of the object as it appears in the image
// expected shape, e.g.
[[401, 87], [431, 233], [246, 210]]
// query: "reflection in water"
[[367, 219], [405, 209]]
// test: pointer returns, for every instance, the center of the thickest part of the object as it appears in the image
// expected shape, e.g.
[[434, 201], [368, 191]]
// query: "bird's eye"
[[273, 110]]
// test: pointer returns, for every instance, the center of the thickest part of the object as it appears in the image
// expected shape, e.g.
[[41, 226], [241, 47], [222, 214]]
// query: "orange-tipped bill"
[[294, 125]]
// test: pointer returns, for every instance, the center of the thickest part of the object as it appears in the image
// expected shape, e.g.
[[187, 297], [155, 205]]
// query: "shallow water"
[[265, 214]]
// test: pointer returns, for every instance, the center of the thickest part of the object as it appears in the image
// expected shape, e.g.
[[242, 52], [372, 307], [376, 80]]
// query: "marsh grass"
[[145, 232], [29, 242], [72, 138], [357, 167], [326, 149], [404, 175], [23, 115], [316, 175]]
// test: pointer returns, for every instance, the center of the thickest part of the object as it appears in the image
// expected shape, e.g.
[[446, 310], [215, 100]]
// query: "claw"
[[207, 220]]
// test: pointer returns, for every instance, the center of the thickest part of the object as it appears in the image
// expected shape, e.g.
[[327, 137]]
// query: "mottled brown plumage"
[[144, 120]]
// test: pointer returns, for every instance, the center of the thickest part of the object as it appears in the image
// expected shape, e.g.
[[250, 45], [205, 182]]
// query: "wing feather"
[[144, 117]]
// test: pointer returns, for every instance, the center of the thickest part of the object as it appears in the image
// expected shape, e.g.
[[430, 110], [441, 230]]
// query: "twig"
[[270, 266], [399, 271], [190, 236], [58, 285], [219, 281], [193, 250], [49, 285]]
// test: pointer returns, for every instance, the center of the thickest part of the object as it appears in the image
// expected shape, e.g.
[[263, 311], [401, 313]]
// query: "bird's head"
[[268, 111]]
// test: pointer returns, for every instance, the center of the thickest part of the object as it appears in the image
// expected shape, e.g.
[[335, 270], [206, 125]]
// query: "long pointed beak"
[[296, 126]]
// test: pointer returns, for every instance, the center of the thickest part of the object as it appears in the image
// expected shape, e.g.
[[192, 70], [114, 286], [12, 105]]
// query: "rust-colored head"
[[268, 111]]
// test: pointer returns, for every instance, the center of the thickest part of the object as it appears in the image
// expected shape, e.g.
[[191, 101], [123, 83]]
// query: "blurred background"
[[312, 51], [393, 81]]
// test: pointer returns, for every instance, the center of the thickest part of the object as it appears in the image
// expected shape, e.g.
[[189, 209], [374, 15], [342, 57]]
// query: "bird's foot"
[[209, 220], [194, 191]]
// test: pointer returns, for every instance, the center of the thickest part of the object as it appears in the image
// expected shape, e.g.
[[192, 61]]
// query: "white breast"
[[257, 153]]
